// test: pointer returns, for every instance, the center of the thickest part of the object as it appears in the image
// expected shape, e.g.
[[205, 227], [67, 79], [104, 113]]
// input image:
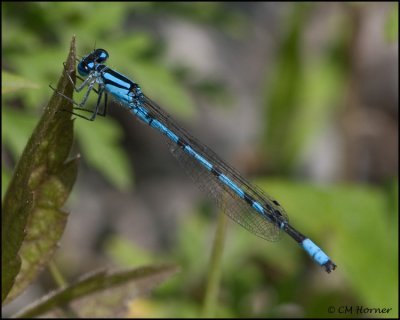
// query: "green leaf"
[[12, 82], [32, 221], [100, 294]]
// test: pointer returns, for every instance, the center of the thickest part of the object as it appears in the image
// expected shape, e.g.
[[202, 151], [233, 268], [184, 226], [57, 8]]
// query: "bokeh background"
[[300, 98]]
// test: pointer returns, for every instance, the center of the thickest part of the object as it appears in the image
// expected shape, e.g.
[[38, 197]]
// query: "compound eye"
[[101, 55], [83, 69]]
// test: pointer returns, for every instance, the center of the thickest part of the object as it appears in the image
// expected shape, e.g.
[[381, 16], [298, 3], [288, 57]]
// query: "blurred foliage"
[[273, 274], [207, 13], [302, 92], [16, 128], [14, 83], [34, 41], [392, 24], [101, 151]]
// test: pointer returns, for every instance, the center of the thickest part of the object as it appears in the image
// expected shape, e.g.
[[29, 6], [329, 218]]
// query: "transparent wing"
[[225, 198], [234, 206]]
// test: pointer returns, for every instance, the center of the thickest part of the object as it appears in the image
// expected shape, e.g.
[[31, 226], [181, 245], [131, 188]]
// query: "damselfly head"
[[89, 62]]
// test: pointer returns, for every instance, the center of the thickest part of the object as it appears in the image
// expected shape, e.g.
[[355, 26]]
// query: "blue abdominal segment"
[[315, 252]]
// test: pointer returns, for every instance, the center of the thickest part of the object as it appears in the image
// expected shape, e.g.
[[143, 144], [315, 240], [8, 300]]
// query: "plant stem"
[[56, 274], [214, 270]]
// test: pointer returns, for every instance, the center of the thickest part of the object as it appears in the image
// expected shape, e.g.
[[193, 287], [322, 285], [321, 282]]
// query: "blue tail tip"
[[318, 255]]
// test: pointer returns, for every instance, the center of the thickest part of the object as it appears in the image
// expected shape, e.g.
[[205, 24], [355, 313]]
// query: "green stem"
[[56, 274], [214, 270], [62, 283]]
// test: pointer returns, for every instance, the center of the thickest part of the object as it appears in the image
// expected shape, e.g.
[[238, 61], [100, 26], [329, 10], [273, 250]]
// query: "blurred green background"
[[302, 98]]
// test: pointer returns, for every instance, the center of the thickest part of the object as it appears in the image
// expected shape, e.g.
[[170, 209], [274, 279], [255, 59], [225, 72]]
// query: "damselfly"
[[239, 199]]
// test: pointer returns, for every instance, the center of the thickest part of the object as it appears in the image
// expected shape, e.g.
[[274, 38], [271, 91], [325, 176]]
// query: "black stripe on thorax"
[[131, 85]]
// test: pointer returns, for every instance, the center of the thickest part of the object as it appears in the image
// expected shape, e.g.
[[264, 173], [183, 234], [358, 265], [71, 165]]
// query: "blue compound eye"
[[83, 69], [101, 55]]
